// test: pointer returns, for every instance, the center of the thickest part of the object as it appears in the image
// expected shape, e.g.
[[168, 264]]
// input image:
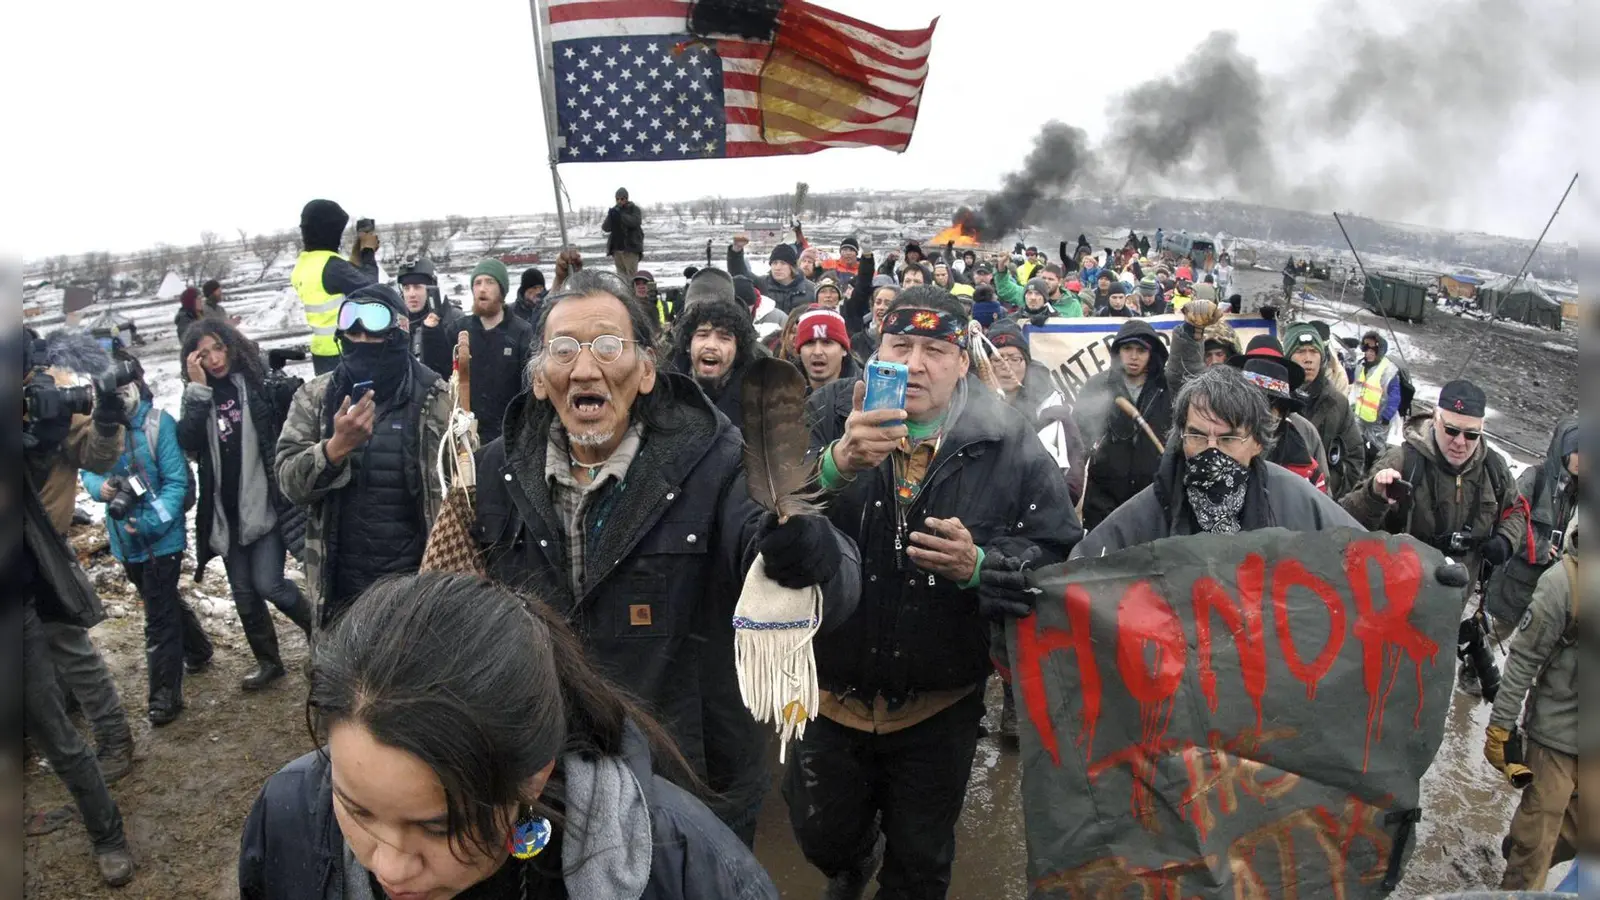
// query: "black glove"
[[1003, 591], [1497, 550], [801, 552], [110, 412]]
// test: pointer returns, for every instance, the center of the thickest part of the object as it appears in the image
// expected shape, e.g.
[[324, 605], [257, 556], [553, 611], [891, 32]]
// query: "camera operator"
[[60, 604], [1445, 487], [145, 494], [1543, 661]]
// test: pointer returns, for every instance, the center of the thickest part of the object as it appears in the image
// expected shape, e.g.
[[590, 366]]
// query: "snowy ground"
[[240, 740]]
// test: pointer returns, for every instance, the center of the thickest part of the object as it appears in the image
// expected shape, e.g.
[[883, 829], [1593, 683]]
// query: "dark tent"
[[1520, 301]]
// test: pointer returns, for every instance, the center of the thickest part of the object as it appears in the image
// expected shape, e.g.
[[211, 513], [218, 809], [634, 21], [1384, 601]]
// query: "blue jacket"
[[158, 517]]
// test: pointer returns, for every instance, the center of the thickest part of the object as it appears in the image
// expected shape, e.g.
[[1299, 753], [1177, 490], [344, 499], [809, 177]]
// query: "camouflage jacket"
[[306, 478]]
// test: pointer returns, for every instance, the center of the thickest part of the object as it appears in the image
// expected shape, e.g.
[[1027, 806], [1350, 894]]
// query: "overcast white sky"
[[138, 122]]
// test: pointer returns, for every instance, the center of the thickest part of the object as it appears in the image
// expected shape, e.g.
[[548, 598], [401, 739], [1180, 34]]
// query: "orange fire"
[[961, 233], [954, 235]]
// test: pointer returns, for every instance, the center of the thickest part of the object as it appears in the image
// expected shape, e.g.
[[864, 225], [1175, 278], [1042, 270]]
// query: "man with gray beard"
[[617, 494]]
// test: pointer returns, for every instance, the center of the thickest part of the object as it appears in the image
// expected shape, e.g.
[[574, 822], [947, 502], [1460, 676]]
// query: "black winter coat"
[[1122, 461], [267, 414], [624, 226], [292, 848], [499, 363], [914, 631], [664, 573], [435, 347], [1276, 498]]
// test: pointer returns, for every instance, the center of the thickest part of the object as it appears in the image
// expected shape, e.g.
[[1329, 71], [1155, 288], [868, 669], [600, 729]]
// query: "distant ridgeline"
[[1555, 262]]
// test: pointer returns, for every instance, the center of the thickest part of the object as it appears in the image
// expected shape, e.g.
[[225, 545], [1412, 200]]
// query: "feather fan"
[[773, 404]]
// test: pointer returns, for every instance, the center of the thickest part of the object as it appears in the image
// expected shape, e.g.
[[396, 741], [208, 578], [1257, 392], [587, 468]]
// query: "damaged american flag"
[[709, 79]]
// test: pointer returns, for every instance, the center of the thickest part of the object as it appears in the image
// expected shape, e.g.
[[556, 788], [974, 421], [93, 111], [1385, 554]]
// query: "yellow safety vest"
[[1371, 388], [322, 308], [1179, 301]]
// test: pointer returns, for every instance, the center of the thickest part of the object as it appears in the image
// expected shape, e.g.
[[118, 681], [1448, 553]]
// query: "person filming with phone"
[[949, 493], [358, 449], [1445, 487]]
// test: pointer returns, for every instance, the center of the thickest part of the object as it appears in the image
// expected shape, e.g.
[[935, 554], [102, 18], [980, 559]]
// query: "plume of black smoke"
[[1204, 122], [1060, 152], [1396, 122]]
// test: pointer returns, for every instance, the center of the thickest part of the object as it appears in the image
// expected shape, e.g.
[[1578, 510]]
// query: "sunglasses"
[[373, 318], [1462, 433], [1372, 347]]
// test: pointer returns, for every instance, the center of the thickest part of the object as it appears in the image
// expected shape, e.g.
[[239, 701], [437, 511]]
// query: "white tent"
[[171, 287]]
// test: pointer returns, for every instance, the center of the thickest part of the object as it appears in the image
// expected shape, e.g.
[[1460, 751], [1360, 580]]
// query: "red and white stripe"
[[896, 63]]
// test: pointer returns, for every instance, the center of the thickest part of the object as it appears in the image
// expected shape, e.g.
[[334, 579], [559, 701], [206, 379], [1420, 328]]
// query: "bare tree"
[[58, 268], [428, 231], [267, 248], [101, 269], [492, 231], [401, 237], [454, 225], [166, 258]]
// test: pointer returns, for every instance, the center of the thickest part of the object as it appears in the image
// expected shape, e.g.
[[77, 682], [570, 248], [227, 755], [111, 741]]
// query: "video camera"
[[45, 402]]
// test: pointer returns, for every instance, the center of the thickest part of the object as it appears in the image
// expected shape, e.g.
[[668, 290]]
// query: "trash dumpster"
[[1397, 298]]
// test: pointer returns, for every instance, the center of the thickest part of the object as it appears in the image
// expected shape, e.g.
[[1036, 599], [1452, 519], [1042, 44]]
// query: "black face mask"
[[385, 364]]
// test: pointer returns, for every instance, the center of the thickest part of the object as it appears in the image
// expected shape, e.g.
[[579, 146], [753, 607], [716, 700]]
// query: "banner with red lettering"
[[1243, 715]]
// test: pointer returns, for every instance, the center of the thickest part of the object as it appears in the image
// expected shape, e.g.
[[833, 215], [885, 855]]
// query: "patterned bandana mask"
[[1215, 485]]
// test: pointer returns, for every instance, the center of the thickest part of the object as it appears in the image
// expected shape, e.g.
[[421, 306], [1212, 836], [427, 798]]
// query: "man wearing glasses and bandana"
[[1214, 477], [1444, 486], [617, 494], [359, 449], [954, 486]]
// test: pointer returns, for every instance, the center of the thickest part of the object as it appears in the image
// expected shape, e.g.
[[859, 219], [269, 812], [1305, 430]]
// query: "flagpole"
[[547, 98]]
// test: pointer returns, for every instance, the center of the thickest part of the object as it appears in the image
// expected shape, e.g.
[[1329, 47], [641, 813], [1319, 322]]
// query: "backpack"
[[1408, 390], [152, 432]]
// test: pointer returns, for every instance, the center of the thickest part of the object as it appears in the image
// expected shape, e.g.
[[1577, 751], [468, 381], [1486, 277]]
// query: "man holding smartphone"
[[322, 277], [358, 450], [941, 493]]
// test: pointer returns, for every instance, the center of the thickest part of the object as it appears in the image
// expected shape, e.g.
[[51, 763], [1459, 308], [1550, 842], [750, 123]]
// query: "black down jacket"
[[915, 631], [662, 575]]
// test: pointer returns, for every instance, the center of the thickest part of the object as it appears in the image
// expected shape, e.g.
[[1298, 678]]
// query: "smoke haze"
[[1396, 118]]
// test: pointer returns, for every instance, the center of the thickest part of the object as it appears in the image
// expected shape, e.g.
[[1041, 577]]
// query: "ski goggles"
[[373, 318]]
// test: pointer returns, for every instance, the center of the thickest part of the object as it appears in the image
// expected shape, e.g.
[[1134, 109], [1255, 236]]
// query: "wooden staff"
[[464, 462], [1126, 405]]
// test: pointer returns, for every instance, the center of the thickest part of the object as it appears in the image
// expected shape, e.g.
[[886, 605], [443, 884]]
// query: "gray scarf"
[[256, 515], [607, 846]]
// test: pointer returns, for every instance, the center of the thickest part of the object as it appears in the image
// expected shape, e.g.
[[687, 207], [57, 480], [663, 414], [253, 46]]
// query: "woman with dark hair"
[[471, 751], [145, 530], [230, 426]]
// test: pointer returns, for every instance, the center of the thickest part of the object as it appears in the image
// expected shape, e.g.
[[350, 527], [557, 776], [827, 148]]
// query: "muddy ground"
[[195, 780]]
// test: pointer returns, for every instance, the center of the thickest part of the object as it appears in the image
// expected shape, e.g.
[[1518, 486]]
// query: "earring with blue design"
[[530, 836]]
